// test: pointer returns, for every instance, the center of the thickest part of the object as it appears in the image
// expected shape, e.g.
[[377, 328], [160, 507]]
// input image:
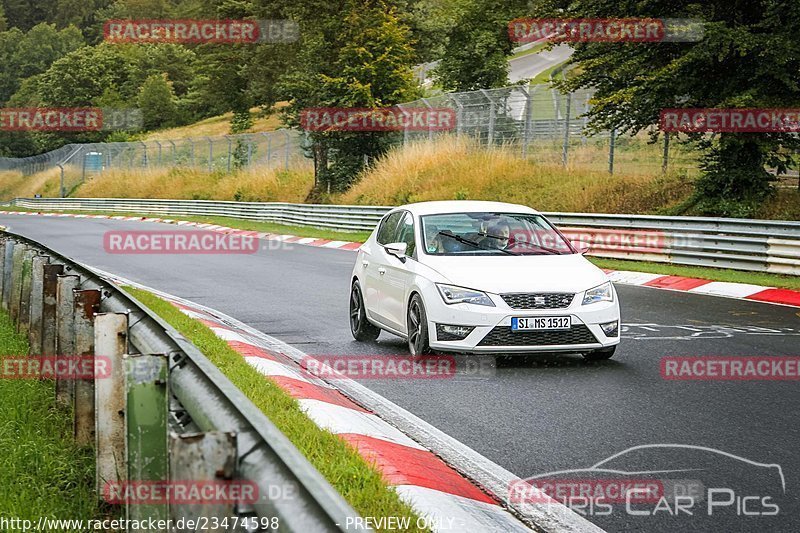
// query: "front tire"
[[600, 355], [362, 329], [417, 324]]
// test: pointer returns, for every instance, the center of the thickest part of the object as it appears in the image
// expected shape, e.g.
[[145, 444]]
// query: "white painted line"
[[338, 419], [632, 278], [268, 367], [228, 335], [723, 288], [456, 514], [335, 244]]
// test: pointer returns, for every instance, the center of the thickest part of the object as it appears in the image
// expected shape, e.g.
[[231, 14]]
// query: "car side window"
[[405, 233], [386, 233]]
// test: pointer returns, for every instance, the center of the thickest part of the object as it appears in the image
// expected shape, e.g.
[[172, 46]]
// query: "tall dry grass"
[[249, 185], [17, 185], [453, 168]]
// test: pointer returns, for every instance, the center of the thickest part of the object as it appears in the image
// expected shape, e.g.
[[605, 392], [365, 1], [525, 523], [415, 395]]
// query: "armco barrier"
[[756, 245], [160, 412]]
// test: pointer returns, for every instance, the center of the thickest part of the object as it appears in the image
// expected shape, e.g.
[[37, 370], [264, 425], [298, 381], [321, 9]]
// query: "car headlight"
[[601, 293], [456, 295]]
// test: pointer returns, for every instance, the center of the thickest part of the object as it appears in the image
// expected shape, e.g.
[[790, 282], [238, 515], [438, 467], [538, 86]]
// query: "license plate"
[[541, 323]]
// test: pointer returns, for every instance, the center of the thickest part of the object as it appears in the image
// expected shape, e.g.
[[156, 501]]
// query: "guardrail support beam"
[[202, 457], [110, 344], [24, 313], [87, 303], [146, 428], [16, 280], [65, 331], [37, 303]]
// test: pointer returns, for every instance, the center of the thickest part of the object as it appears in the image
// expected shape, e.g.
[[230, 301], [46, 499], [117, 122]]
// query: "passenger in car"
[[433, 241]]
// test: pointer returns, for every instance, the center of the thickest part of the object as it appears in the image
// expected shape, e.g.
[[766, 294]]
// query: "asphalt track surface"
[[531, 65], [531, 415]]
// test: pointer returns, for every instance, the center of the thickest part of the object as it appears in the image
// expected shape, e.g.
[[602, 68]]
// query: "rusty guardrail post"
[[37, 303], [65, 331], [49, 292], [110, 344], [8, 260], [146, 429], [16, 280], [202, 457], [2, 265], [24, 316], [86, 305]]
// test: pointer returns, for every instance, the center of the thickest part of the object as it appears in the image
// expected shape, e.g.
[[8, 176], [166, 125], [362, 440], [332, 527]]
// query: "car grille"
[[503, 336], [554, 300]]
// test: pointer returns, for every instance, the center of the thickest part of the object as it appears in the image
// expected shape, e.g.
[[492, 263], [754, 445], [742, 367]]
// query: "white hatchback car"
[[476, 277]]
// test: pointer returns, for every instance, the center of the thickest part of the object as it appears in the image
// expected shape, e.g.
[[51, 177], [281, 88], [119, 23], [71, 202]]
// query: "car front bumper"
[[492, 327]]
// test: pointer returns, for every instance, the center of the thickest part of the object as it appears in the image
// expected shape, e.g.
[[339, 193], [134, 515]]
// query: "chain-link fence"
[[551, 127], [537, 120], [76, 162]]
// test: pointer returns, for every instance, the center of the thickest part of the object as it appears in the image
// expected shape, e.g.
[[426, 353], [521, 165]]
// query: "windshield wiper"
[[469, 242], [551, 251]]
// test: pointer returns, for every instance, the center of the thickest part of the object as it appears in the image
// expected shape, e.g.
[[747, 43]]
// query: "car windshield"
[[491, 234]]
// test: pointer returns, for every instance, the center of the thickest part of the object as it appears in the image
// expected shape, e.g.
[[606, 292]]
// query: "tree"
[[25, 14], [31, 53], [360, 59], [157, 102], [749, 57], [478, 45]]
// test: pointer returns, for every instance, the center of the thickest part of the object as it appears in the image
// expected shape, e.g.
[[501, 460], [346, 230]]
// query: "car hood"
[[524, 273]]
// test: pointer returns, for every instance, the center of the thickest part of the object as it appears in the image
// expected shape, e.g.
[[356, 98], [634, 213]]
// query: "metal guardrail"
[[742, 244], [182, 419]]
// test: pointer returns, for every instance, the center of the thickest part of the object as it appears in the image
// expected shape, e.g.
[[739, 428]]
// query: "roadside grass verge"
[[42, 473], [713, 274], [255, 184], [355, 479]]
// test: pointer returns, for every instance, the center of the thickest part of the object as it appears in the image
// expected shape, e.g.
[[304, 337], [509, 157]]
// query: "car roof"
[[464, 206]]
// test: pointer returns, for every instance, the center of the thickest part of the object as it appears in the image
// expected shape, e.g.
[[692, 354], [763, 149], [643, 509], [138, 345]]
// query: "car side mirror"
[[582, 247], [397, 249]]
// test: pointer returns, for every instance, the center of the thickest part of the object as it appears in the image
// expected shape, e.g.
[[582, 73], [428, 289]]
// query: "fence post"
[[611, 144], [65, 331], [87, 303], [146, 432], [529, 92], [61, 182], [145, 163], [210, 154], [191, 150], [288, 148], [36, 303], [230, 153], [665, 158], [565, 150], [492, 111], [110, 344], [159, 152]]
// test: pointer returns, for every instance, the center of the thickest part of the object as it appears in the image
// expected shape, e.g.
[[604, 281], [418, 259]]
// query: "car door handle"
[[381, 271]]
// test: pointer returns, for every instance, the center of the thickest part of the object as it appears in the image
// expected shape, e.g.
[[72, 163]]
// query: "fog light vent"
[[446, 332], [611, 329]]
